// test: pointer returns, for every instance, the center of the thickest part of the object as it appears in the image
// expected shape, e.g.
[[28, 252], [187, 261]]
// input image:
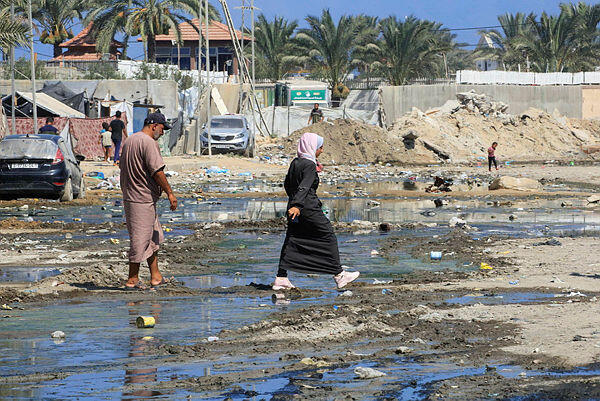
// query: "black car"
[[39, 166]]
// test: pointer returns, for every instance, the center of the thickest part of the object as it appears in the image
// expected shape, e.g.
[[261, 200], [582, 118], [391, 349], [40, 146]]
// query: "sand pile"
[[461, 131], [353, 142]]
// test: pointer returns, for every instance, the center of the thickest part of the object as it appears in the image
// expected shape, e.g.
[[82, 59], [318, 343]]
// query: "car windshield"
[[27, 148], [226, 123]]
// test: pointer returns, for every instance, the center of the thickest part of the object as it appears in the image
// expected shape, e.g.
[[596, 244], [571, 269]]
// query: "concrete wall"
[[591, 102], [568, 100]]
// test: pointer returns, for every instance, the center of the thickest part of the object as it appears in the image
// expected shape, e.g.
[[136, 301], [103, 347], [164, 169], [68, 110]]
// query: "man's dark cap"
[[157, 118]]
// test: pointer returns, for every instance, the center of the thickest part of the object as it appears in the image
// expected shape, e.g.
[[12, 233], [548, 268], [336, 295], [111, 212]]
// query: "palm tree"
[[146, 18], [54, 18], [551, 43], [585, 34], [12, 32], [329, 46], [365, 55], [413, 48], [504, 43], [274, 45]]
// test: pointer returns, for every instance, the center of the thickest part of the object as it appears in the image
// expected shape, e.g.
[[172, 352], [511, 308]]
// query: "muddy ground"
[[524, 329]]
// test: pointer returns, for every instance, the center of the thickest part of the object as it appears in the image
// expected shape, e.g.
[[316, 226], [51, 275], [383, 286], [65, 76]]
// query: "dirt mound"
[[461, 131], [353, 142]]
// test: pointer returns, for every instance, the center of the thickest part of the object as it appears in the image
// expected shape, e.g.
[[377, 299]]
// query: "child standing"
[[105, 140], [492, 156]]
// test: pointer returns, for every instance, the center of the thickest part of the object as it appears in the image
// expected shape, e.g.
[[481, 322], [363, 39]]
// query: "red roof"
[[216, 31], [83, 55], [83, 39]]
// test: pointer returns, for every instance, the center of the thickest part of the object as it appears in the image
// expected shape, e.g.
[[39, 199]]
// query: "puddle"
[[22, 274], [505, 298]]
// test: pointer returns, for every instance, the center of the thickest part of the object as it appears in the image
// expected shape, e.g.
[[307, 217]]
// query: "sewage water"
[[22, 274]]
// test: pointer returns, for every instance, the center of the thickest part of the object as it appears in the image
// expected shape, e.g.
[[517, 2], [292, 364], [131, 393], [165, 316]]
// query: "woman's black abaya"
[[310, 244]]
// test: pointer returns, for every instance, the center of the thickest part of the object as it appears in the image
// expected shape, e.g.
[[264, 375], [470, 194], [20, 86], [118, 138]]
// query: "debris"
[[386, 291], [594, 199], [367, 373], [550, 242], [145, 322], [171, 173], [457, 222], [6, 307], [374, 252], [385, 227], [440, 202], [434, 255], [403, 350], [440, 185], [485, 266], [517, 184], [313, 362], [347, 293], [114, 241], [57, 334], [376, 281]]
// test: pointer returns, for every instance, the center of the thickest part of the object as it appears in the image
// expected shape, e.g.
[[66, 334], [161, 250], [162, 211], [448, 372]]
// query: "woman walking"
[[310, 244]]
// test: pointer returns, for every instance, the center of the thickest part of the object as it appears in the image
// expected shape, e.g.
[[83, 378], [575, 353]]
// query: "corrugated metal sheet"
[[52, 105]]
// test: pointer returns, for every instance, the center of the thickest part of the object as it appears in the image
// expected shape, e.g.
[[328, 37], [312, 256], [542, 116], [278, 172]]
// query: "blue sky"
[[452, 13]]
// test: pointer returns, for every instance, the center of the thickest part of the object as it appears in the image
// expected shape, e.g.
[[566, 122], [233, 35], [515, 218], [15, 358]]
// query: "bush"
[[102, 70]]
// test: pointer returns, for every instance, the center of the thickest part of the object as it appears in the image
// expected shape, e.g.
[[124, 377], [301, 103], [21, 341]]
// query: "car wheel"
[[81, 194], [249, 151], [67, 194]]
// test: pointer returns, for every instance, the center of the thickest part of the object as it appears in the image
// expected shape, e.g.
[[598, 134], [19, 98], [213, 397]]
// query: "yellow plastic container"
[[485, 266], [145, 322]]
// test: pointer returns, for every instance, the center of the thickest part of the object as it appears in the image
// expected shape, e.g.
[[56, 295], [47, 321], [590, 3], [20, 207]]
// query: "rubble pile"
[[461, 131], [350, 142]]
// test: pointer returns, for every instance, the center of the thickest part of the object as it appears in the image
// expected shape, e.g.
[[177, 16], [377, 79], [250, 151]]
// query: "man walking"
[[119, 133], [316, 115], [142, 182]]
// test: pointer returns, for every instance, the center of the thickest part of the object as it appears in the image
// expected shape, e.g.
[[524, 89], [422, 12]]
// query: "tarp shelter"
[[85, 132], [62, 93], [47, 106]]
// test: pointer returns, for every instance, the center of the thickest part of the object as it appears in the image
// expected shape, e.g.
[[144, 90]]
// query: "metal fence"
[[527, 78]]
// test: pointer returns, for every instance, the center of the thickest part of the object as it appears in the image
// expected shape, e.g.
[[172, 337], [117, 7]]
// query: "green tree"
[[413, 48], [102, 70], [365, 55], [275, 46], [328, 46], [159, 71], [54, 18], [12, 32], [23, 70], [145, 18]]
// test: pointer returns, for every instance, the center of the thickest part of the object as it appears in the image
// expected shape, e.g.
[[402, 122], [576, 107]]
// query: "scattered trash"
[[594, 199], [385, 227], [457, 222], [171, 173], [312, 362], [440, 185], [403, 350], [434, 255], [385, 291], [95, 174], [5, 307], [57, 334], [374, 252], [347, 293], [245, 174], [550, 242], [114, 240], [376, 281], [485, 266], [515, 282], [145, 322], [440, 202], [212, 339], [367, 373]]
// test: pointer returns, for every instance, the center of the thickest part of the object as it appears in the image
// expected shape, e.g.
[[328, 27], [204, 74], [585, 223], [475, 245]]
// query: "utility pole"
[[208, 113], [12, 75], [35, 122], [253, 81], [243, 60], [197, 147]]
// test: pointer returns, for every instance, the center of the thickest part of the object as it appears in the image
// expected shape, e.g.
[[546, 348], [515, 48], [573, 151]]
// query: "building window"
[[170, 55]]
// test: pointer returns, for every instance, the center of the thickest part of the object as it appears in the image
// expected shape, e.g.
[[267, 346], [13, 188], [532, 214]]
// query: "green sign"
[[309, 94]]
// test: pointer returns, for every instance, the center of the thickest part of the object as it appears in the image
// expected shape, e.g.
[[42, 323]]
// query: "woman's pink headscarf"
[[308, 145]]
